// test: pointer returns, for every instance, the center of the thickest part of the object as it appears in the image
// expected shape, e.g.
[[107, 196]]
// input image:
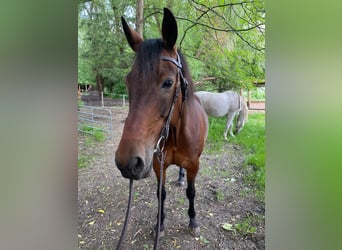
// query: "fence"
[[121, 99], [94, 98], [92, 119], [257, 105]]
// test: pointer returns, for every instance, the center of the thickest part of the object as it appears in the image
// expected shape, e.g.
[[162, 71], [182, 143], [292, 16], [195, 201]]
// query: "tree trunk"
[[139, 23], [99, 83]]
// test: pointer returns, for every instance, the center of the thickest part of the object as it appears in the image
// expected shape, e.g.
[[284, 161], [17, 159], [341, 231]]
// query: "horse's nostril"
[[136, 165]]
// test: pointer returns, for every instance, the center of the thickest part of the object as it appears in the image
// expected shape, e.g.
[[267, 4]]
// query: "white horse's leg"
[[229, 125]]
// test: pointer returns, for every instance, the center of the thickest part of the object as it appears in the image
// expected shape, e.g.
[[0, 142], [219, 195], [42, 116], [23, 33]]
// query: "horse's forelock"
[[147, 59]]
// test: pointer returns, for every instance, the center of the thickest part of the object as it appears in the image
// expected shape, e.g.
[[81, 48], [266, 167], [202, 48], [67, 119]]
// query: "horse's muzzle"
[[133, 168]]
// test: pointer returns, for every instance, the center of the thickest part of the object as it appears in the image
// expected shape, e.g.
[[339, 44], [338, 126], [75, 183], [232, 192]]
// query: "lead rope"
[[128, 213], [161, 159], [159, 150]]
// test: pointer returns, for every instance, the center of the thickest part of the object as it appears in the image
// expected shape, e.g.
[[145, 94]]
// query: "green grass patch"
[[245, 227], [215, 134], [251, 138], [97, 133], [90, 136], [83, 161], [80, 103]]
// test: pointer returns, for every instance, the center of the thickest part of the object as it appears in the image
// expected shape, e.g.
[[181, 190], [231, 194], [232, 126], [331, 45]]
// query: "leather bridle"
[[184, 88]]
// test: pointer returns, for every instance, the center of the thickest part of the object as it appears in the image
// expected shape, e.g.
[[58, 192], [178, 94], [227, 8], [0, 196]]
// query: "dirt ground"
[[222, 199]]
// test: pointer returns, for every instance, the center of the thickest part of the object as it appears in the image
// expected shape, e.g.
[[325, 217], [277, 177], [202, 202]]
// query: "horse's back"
[[217, 104]]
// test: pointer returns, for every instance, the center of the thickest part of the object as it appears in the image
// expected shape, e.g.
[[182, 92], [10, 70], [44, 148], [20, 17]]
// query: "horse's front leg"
[[191, 193], [229, 125]]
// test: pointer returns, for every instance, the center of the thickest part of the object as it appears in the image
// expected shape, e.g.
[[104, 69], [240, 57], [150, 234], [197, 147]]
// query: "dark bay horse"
[[162, 106]]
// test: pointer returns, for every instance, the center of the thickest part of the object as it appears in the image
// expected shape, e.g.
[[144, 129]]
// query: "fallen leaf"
[[91, 223], [101, 211], [204, 240], [227, 226]]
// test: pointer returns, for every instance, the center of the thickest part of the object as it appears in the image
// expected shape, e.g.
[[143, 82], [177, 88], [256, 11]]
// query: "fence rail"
[[92, 119], [95, 98], [256, 105]]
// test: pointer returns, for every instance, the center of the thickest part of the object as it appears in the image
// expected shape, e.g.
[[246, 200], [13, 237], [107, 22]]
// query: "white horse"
[[220, 104]]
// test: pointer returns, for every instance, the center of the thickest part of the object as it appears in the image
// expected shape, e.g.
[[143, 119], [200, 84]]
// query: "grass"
[[91, 136], [84, 160], [96, 133], [252, 140], [245, 227]]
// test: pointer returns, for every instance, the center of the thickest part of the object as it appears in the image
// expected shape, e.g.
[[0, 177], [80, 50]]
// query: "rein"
[[159, 149], [128, 212]]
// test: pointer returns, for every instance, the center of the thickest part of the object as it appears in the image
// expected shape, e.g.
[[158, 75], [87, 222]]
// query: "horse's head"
[[151, 84]]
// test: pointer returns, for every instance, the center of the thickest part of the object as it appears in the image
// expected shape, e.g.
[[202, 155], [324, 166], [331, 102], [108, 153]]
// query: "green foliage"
[[101, 44], [220, 40], [258, 93]]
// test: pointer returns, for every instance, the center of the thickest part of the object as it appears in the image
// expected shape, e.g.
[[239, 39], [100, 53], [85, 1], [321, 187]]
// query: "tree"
[[101, 49], [224, 42], [140, 16]]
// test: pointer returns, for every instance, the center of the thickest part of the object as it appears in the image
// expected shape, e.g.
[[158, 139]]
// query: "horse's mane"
[[186, 73], [147, 62]]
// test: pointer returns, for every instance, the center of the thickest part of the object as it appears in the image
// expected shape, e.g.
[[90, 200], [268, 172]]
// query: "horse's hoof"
[[195, 231], [180, 183]]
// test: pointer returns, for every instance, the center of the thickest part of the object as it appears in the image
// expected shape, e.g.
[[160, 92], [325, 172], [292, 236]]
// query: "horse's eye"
[[167, 84]]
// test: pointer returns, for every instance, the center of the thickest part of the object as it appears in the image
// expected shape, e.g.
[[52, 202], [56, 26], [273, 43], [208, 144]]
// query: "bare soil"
[[223, 197]]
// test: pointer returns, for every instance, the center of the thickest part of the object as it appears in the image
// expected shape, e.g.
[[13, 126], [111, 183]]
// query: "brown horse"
[[162, 106]]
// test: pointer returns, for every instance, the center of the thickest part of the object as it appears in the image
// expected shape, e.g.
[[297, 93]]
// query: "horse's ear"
[[169, 29], [133, 38]]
